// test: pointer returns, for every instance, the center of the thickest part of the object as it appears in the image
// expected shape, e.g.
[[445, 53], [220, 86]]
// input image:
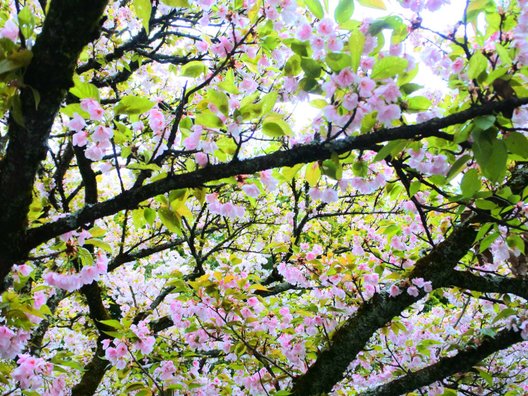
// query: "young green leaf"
[[343, 11]]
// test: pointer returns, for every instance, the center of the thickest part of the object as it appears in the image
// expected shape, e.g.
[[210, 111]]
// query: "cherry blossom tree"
[[263, 197]]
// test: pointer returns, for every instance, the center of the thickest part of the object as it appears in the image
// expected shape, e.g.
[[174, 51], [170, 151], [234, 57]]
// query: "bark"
[[351, 338], [68, 27], [488, 283], [297, 155], [445, 367]]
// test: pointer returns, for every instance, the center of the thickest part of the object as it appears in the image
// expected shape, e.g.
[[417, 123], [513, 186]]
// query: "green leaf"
[[516, 242], [209, 120], [73, 108], [170, 220], [356, 44], [15, 60], [194, 69], [26, 22], [292, 66], [457, 166], [115, 324], [315, 7], [486, 376], [409, 88], [85, 256], [418, 103], [485, 204], [135, 386], [84, 90], [299, 47], [228, 84], [219, 99], [389, 22], [332, 168], [100, 244], [150, 215], [477, 65], [517, 143], [143, 9], [470, 183], [311, 68], [378, 4], [309, 85], [338, 61], [414, 187], [268, 102], [389, 67], [176, 3], [344, 11], [487, 241], [392, 148], [289, 173], [491, 154], [312, 174], [360, 168], [275, 126], [503, 54], [133, 105], [484, 122]]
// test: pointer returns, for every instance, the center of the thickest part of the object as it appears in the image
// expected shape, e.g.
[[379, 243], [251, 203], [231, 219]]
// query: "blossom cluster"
[[30, 371], [12, 342], [227, 209], [75, 281]]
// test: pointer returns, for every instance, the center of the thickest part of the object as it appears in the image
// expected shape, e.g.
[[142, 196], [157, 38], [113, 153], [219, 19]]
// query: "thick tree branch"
[[487, 283], [352, 337], [299, 154], [438, 267], [68, 27], [461, 362]]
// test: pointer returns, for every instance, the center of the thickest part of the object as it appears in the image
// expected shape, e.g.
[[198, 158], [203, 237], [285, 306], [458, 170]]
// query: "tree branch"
[[461, 362], [351, 338], [297, 155], [68, 27], [487, 283]]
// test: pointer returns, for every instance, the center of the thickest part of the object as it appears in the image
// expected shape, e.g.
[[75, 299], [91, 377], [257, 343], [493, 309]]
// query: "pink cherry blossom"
[[326, 27], [223, 48], [93, 108], [345, 77], [334, 43], [166, 370], [192, 141], [77, 123], [80, 138], [156, 121], [304, 32], [394, 291], [350, 101], [387, 114], [39, 299], [413, 291], [329, 195], [201, 159], [102, 134], [458, 65], [267, 179], [251, 190], [94, 152], [9, 31], [366, 87]]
